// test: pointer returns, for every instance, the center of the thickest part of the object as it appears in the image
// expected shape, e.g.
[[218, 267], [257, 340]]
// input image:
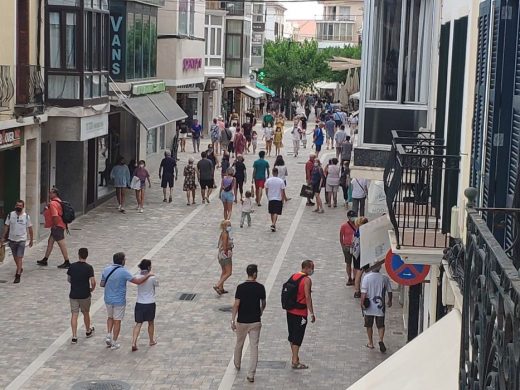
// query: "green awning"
[[265, 88]]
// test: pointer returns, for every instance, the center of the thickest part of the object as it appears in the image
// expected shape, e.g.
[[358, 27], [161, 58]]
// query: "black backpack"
[[69, 214], [290, 294]]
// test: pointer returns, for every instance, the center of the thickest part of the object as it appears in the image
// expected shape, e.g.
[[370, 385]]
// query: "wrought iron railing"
[[490, 344], [6, 86], [413, 180], [29, 89]]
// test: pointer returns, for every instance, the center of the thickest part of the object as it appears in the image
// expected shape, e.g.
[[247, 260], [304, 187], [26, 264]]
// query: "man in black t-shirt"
[[249, 305], [82, 284], [167, 173]]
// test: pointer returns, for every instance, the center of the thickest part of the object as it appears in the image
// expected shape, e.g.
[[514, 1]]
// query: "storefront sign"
[[145, 89], [93, 126], [377, 198], [191, 87], [11, 138], [191, 63], [117, 40], [258, 27]]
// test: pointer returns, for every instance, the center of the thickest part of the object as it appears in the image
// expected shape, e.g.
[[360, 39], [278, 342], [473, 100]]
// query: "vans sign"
[[117, 40]]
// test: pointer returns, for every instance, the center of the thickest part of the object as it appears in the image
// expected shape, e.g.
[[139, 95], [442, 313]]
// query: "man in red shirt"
[[297, 318], [309, 165], [346, 237], [53, 220]]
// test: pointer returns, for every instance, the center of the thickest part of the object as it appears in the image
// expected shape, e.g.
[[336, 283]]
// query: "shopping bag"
[[306, 191], [2, 253], [135, 184]]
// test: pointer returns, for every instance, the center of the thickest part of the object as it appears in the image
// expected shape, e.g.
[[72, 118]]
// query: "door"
[[91, 173]]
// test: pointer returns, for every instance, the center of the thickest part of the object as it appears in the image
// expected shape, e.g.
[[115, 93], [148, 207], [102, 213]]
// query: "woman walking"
[[296, 137], [344, 181], [254, 140], [225, 255], [317, 180], [183, 135], [226, 192], [143, 176], [190, 184], [333, 174], [278, 137], [268, 136], [120, 175], [239, 142], [240, 177], [145, 305], [282, 169]]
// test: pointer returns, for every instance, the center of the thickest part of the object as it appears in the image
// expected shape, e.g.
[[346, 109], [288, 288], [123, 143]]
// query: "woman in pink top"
[[143, 175]]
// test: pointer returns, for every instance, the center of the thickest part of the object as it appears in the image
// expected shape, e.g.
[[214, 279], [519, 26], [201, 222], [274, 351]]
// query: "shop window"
[[400, 57], [162, 137], [379, 122], [151, 141]]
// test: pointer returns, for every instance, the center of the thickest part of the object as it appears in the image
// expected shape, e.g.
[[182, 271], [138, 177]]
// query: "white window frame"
[[211, 35], [189, 17]]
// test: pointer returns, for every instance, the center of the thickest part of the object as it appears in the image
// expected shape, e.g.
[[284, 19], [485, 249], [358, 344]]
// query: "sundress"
[[189, 178]]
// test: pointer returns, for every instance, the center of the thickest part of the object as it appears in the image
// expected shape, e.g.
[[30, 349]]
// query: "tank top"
[[300, 296]]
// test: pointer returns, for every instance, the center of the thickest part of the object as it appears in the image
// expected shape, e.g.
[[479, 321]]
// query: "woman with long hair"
[[226, 192], [225, 255]]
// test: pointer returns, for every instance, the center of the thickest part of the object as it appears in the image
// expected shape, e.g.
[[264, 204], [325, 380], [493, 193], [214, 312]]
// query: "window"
[[396, 75], [63, 87], [343, 13], [186, 17], [151, 141], [54, 40], [213, 38], [234, 41], [258, 13], [162, 137]]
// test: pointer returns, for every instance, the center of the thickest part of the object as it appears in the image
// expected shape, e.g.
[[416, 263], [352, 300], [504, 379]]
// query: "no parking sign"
[[402, 273]]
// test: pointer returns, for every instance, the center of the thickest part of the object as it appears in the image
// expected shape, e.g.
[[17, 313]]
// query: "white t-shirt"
[[296, 133], [340, 136], [275, 185], [282, 171], [268, 133], [18, 225], [146, 291], [232, 130], [376, 286], [247, 205], [359, 188]]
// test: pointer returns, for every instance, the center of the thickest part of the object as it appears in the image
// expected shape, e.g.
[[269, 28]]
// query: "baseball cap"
[[351, 214]]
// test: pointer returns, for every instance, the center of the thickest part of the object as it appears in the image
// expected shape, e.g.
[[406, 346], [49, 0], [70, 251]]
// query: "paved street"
[[195, 343]]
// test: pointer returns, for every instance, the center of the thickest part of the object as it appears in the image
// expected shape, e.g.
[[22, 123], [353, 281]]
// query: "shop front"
[[190, 97]]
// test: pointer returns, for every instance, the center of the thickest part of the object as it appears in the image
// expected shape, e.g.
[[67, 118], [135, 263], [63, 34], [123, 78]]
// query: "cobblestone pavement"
[[195, 343]]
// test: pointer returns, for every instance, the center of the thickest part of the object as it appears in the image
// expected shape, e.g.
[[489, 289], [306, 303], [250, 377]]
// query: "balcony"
[[29, 90], [6, 87], [413, 181]]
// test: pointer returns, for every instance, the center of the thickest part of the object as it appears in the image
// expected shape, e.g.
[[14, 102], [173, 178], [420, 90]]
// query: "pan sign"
[[11, 138], [402, 273], [191, 64]]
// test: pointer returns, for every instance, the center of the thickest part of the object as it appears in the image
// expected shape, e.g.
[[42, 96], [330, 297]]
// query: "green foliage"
[[289, 65]]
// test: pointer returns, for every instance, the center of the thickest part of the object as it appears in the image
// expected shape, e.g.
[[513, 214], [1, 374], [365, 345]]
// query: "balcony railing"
[[342, 18], [490, 347], [6, 87], [413, 185], [29, 90]]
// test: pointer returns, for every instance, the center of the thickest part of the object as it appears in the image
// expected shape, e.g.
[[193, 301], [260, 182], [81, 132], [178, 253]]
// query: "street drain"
[[226, 308], [187, 296], [3, 281], [101, 385], [398, 333], [272, 364]]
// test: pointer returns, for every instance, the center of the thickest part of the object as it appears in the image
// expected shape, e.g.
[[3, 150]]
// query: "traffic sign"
[[402, 273]]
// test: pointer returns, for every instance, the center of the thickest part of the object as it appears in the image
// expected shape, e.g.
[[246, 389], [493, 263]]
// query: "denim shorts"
[[227, 197]]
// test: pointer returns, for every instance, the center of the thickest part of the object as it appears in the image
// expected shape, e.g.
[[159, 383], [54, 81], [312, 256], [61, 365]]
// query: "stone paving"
[[195, 343]]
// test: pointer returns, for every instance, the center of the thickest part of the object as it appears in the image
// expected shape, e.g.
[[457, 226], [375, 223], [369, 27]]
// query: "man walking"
[[16, 226], [275, 192], [114, 279], [53, 219], [196, 135], [167, 170], [309, 166], [346, 151], [330, 125], [250, 301], [260, 172], [82, 284], [346, 239], [297, 316], [205, 175], [373, 289], [359, 195], [340, 137], [318, 138]]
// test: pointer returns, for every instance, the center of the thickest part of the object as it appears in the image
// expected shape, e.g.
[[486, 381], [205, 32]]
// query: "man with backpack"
[[297, 301], [346, 238], [57, 215]]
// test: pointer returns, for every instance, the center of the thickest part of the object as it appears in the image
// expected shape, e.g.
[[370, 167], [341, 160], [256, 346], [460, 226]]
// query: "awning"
[[265, 88], [253, 92], [355, 96], [154, 110], [326, 85], [430, 361]]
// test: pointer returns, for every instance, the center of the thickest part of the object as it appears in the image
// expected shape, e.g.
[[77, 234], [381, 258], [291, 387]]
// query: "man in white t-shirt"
[[275, 192], [359, 195], [373, 289], [17, 224], [296, 137]]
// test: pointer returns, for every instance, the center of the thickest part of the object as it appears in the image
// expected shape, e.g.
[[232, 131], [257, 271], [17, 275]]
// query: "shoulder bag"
[[108, 276]]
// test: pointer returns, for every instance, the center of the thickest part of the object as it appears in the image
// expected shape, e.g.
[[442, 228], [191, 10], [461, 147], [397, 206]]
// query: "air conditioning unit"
[[252, 77], [212, 85]]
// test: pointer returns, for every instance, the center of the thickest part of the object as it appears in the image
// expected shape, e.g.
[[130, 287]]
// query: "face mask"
[[229, 229], [18, 209], [311, 272], [141, 165]]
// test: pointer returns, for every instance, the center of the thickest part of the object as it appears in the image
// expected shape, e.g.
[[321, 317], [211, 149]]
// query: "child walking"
[[254, 140], [247, 205]]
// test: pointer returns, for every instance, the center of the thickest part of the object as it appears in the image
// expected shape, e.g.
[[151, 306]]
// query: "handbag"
[[366, 303], [306, 191], [2, 253], [135, 184]]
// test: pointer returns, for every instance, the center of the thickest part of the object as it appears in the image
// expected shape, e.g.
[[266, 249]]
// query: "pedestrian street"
[[195, 342]]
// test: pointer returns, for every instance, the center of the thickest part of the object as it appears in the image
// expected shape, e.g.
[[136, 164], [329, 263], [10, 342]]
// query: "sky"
[[302, 10]]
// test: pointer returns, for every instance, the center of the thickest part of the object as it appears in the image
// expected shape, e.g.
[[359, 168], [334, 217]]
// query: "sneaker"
[[141, 210], [108, 341], [66, 264], [122, 210], [273, 228], [16, 278], [115, 346], [42, 262], [90, 332], [170, 199], [119, 207], [164, 200], [74, 340], [250, 379]]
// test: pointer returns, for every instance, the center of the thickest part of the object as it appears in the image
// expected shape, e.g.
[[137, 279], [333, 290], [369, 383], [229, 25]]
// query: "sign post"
[[405, 274]]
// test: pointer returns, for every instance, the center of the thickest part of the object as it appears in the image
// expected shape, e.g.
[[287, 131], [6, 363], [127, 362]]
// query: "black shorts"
[[167, 181], [57, 233], [275, 207], [357, 264], [338, 123], [369, 322], [316, 188], [318, 148], [206, 184], [144, 312], [296, 326]]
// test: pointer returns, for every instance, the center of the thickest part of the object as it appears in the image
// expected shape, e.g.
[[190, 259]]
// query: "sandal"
[[382, 347], [369, 346], [350, 282], [299, 366], [217, 290], [134, 348], [152, 343]]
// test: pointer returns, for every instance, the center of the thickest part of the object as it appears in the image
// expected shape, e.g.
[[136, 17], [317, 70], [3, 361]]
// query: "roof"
[[306, 27], [342, 63]]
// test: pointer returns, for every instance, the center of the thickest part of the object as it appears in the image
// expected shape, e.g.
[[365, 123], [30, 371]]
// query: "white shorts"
[[331, 188], [183, 135], [115, 312]]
